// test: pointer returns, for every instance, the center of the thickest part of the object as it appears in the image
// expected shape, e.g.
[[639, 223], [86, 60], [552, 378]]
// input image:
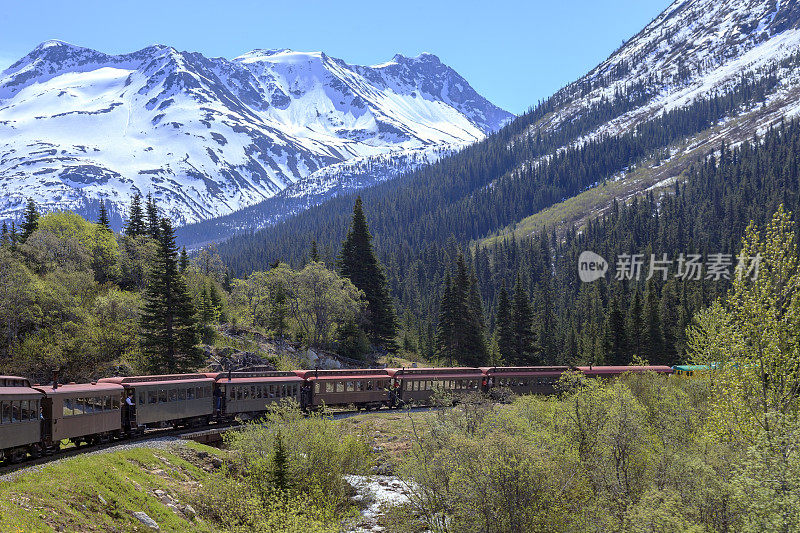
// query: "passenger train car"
[[36, 419]]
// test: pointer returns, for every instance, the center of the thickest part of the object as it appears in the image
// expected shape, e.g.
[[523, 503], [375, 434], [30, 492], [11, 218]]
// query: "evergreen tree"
[[314, 256], [184, 261], [5, 238], [522, 322], [278, 311], [153, 223], [169, 326], [634, 326], [614, 341], [357, 262], [653, 345], [102, 219], [30, 220], [280, 464], [445, 337], [135, 226], [504, 332], [461, 323], [208, 317], [14, 236]]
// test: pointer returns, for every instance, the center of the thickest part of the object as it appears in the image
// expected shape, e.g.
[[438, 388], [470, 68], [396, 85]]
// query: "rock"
[[217, 462], [146, 520], [189, 511], [160, 493], [202, 455], [101, 499]]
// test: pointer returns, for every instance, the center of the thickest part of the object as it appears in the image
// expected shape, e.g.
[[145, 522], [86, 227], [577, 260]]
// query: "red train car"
[[418, 385], [20, 420], [83, 413], [251, 392], [369, 388], [524, 379], [176, 399]]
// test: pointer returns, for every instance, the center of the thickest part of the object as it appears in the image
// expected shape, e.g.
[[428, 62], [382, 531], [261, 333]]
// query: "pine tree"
[[280, 464], [102, 219], [358, 263], [653, 345], [278, 312], [5, 238], [522, 323], [460, 335], [14, 235], [135, 226], [169, 326], [30, 220], [208, 317], [445, 338], [184, 261], [314, 256], [153, 223], [634, 326], [504, 332], [614, 340]]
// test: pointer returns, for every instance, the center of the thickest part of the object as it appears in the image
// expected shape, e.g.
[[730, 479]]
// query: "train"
[[36, 419]]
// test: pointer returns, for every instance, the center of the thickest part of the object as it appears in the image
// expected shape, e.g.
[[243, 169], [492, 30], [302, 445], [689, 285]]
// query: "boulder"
[[146, 520]]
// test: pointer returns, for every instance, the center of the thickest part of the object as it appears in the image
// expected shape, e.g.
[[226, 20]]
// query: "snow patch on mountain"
[[210, 136]]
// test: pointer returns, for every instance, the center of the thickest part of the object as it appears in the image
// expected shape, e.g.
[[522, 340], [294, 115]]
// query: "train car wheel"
[[35, 450]]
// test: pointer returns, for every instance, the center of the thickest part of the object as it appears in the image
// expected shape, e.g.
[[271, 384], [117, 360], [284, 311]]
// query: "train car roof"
[[28, 392], [345, 373], [600, 370], [223, 376], [433, 371], [523, 370], [261, 379], [165, 379], [14, 381], [75, 388]]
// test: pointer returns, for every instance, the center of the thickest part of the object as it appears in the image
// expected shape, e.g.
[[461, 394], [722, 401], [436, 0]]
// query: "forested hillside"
[[419, 235]]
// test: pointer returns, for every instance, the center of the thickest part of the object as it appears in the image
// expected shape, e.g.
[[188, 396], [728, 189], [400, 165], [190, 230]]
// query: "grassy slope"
[[69, 495]]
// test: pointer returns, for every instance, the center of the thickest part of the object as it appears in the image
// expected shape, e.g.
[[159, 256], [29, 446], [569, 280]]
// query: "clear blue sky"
[[512, 52]]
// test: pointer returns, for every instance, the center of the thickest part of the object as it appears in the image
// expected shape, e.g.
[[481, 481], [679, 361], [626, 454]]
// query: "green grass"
[[68, 496]]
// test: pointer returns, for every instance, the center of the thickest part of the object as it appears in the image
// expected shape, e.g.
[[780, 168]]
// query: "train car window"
[[115, 401], [198, 393], [252, 392], [181, 395], [15, 414], [5, 412], [190, 393], [152, 397], [88, 405], [316, 388], [340, 386], [66, 407], [349, 386], [162, 395], [208, 392], [245, 393], [24, 411], [173, 395]]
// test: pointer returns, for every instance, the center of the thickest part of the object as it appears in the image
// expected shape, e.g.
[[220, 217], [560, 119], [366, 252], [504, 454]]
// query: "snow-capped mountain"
[[209, 136], [692, 50]]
